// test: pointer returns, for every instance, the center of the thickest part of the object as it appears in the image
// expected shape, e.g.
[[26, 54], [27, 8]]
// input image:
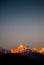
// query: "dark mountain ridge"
[[21, 59]]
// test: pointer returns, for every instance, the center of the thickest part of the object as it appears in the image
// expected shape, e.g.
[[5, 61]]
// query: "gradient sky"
[[22, 22]]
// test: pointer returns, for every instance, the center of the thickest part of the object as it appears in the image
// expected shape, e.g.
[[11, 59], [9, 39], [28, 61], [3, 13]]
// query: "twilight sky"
[[22, 22]]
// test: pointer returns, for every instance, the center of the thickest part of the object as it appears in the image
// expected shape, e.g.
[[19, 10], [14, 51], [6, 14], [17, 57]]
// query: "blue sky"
[[22, 21]]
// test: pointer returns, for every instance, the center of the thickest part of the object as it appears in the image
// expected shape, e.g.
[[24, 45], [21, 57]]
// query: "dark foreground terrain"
[[18, 59]]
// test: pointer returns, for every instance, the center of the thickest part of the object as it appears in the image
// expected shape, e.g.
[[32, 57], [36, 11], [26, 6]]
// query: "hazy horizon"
[[22, 22]]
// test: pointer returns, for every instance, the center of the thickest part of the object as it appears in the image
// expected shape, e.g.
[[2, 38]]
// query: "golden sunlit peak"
[[21, 46], [42, 50], [35, 50], [19, 49]]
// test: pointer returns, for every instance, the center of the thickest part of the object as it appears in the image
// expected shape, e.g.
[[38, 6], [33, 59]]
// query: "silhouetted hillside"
[[20, 59], [36, 56]]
